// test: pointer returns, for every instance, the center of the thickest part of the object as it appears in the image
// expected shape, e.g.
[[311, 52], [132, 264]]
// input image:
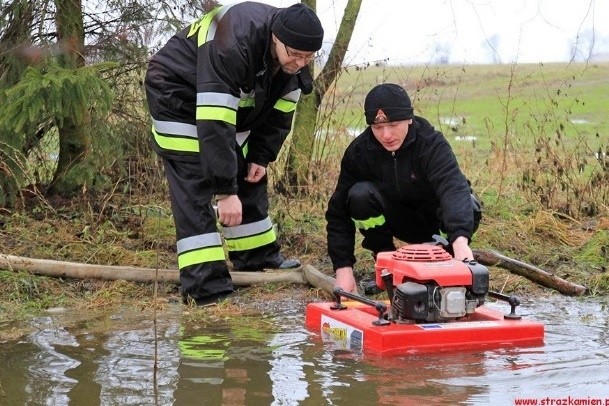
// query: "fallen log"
[[307, 274], [62, 269], [532, 273]]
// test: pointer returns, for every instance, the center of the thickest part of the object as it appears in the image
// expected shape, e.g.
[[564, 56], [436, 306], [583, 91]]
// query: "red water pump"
[[425, 284]]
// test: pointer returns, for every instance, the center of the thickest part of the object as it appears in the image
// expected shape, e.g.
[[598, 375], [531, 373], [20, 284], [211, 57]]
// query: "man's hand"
[[461, 249], [255, 172], [230, 211], [345, 280]]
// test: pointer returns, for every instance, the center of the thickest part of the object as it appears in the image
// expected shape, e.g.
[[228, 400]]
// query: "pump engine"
[[426, 284]]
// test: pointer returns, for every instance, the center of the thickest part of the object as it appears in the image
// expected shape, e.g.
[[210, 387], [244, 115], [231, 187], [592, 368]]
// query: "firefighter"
[[399, 178], [222, 94]]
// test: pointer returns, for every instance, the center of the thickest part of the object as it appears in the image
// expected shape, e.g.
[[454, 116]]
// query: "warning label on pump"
[[341, 334], [463, 324]]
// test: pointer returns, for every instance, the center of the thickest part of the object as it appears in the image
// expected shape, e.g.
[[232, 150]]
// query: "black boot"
[[278, 262], [281, 262]]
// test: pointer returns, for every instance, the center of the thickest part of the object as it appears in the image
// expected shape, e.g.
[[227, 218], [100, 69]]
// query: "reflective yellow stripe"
[[369, 223], [247, 103], [200, 256], [201, 26], [175, 143], [248, 243], [245, 149], [285, 106], [217, 113]]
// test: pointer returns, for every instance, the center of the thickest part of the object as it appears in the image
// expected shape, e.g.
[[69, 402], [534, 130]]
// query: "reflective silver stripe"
[[211, 32], [217, 99], [242, 137], [245, 230], [198, 241], [175, 128], [294, 95]]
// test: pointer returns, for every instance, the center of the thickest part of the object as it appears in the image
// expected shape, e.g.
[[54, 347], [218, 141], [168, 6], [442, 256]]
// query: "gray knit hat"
[[299, 27]]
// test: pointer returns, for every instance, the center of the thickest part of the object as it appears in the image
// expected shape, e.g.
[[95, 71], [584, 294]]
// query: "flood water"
[[97, 358]]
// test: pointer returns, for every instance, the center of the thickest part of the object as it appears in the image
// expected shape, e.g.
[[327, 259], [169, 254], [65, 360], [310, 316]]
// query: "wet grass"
[[577, 250]]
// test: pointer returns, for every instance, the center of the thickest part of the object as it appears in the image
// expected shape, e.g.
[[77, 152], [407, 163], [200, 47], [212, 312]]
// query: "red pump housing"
[[422, 263]]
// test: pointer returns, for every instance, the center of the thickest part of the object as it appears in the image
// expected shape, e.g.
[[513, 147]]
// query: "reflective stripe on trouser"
[[253, 243], [249, 236], [201, 259], [365, 205]]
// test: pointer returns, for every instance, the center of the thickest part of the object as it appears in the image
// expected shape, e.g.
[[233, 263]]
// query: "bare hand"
[[255, 172], [345, 280], [230, 211], [461, 249]]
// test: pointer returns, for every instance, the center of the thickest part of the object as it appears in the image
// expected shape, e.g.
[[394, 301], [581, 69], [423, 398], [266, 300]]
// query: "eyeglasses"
[[306, 58]]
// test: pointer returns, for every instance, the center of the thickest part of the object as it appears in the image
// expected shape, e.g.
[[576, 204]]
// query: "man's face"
[[291, 60], [391, 135]]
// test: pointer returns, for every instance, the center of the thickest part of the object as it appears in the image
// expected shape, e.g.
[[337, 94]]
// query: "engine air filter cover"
[[422, 263], [421, 253]]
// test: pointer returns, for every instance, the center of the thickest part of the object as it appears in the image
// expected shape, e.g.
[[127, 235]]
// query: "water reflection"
[[224, 364], [109, 359], [124, 368], [288, 374]]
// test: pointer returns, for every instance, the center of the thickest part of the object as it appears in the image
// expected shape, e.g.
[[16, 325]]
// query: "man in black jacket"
[[399, 178], [222, 94]]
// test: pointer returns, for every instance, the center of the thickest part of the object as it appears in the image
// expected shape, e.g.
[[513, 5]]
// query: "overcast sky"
[[467, 31]]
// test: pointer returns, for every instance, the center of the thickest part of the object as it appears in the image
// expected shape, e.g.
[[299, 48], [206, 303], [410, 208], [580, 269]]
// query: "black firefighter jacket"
[[423, 172], [213, 81]]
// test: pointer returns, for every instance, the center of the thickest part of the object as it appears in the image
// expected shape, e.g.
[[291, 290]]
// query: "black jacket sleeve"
[[451, 188], [266, 140]]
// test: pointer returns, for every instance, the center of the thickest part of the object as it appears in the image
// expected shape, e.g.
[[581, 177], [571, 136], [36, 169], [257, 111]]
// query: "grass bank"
[[533, 139]]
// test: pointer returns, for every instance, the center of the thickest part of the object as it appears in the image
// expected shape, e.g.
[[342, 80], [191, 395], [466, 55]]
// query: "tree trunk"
[[296, 175], [74, 131]]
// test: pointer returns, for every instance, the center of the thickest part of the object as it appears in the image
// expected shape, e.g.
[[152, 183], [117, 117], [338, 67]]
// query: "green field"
[[487, 99], [529, 136]]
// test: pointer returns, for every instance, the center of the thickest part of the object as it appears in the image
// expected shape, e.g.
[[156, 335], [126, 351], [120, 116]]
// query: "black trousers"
[[412, 225], [203, 268]]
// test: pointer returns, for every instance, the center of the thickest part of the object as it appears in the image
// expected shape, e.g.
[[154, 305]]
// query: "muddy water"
[[94, 358]]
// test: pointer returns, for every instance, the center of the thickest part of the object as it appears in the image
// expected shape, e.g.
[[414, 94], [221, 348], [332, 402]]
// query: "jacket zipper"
[[395, 173]]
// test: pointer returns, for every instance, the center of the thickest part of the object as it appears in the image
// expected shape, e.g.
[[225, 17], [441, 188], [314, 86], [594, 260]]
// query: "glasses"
[[298, 57]]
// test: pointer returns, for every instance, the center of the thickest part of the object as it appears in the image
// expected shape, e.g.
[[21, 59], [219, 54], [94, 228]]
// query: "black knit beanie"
[[299, 27], [387, 102]]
